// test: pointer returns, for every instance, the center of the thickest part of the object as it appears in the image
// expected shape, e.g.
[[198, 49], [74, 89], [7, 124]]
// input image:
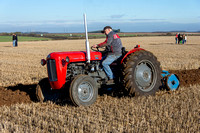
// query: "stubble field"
[[20, 71]]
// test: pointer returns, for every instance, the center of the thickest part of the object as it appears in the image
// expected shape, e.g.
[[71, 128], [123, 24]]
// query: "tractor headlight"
[[67, 59], [43, 62]]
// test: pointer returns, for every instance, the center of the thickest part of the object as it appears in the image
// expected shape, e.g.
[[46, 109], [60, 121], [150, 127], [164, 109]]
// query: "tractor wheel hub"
[[85, 91], [143, 75]]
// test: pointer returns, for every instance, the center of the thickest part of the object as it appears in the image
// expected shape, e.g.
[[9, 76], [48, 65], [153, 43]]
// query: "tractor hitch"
[[170, 81]]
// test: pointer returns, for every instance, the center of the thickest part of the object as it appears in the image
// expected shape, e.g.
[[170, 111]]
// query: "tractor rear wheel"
[[142, 73], [83, 90]]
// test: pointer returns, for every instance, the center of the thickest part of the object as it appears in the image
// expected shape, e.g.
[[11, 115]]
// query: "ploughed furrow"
[[187, 77], [26, 93]]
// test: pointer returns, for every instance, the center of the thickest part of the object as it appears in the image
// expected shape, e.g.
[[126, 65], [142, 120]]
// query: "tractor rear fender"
[[131, 51]]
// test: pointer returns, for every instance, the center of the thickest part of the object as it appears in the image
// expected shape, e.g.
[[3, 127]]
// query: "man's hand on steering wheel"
[[95, 46], [98, 49]]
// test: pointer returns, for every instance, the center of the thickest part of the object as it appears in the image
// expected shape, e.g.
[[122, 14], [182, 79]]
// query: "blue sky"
[[127, 15]]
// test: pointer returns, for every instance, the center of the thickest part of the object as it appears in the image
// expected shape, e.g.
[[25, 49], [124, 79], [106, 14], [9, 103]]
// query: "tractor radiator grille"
[[51, 68]]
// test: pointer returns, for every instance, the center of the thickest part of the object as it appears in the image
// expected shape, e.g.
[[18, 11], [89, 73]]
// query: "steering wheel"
[[99, 49]]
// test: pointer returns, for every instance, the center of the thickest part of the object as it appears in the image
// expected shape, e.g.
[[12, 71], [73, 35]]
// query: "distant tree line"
[[63, 36]]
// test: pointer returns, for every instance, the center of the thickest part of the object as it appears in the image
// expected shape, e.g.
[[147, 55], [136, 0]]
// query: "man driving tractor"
[[113, 46]]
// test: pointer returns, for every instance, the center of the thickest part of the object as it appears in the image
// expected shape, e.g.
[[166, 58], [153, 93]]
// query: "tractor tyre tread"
[[129, 66], [73, 90]]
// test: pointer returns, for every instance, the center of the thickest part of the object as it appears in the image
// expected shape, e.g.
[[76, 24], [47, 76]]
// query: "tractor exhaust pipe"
[[87, 42]]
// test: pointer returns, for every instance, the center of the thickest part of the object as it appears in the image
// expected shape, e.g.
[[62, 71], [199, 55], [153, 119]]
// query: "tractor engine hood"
[[57, 65], [74, 56]]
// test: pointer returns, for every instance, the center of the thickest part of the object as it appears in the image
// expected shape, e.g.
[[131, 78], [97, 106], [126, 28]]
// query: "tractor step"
[[111, 81]]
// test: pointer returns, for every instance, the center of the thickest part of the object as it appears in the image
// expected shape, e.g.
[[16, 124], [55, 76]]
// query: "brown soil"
[[17, 94], [188, 77], [26, 93]]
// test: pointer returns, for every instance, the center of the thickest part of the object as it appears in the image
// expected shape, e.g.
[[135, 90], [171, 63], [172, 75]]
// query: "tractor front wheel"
[[44, 91], [142, 73], [83, 90]]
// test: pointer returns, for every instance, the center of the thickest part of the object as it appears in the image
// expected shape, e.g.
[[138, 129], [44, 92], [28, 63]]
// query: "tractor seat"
[[124, 52]]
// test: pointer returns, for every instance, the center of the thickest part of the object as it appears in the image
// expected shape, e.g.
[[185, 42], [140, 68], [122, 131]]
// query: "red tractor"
[[80, 72]]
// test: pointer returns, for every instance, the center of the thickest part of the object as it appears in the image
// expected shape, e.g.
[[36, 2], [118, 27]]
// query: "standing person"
[[114, 46], [185, 39], [15, 40], [176, 38], [16, 43], [179, 38]]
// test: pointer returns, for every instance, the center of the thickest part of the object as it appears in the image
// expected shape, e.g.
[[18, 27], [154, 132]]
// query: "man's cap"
[[107, 27]]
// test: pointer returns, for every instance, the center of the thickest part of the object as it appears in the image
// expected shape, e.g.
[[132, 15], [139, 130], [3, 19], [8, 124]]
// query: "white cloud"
[[43, 22], [117, 16]]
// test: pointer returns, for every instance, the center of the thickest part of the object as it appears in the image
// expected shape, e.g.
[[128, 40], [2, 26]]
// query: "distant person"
[[179, 38], [185, 39], [15, 40], [176, 38]]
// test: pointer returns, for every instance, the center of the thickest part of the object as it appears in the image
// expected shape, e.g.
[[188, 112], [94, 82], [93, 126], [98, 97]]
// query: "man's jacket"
[[113, 43], [15, 37]]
